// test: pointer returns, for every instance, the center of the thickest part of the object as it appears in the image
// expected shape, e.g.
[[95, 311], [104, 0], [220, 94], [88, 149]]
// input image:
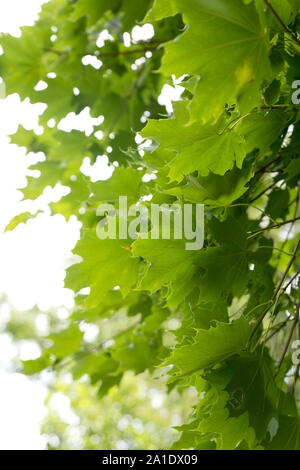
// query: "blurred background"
[[47, 411]]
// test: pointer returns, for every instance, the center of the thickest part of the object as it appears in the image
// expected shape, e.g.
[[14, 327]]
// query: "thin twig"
[[274, 297], [55, 51], [265, 167], [280, 224], [96, 348], [291, 227], [128, 52], [287, 269], [262, 193], [290, 282], [152, 47], [276, 106], [277, 328], [286, 347], [283, 25], [296, 376]]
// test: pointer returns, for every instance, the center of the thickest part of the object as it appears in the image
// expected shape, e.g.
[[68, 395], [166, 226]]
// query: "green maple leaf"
[[18, 219], [288, 434], [21, 65], [105, 264], [261, 130], [50, 173], [196, 147], [225, 265], [70, 146], [212, 422], [35, 366], [209, 347], [33, 143], [65, 342], [229, 432], [161, 9], [137, 353], [133, 12], [167, 260], [226, 45], [93, 9], [123, 182], [72, 202], [205, 313], [214, 189], [58, 95], [252, 389]]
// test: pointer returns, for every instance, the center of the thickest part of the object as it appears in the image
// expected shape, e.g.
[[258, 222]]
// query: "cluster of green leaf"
[[140, 414], [137, 415], [232, 143]]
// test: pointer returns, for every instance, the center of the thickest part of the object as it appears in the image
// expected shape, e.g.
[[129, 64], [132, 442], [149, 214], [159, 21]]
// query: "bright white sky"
[[33, 257]]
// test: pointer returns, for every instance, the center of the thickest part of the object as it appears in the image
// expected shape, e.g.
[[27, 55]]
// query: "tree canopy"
[[222, 319]]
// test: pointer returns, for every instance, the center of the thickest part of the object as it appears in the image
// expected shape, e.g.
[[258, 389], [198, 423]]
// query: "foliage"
[[231, 143], [137, 415], [140, 414]]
